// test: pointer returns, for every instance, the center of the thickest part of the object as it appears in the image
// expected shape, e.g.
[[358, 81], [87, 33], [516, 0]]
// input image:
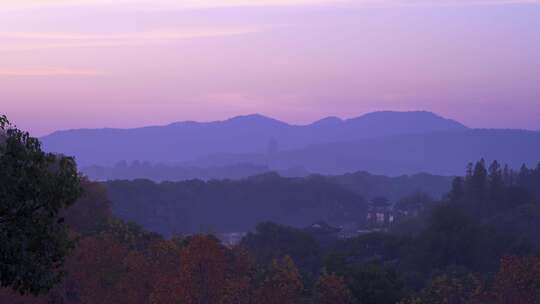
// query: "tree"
[[34, 188], [455, 286], [203, 267], [518, 281], [240, 278], [202, 271], [283, 284], [477, 183], [92, 212], [237, 291], [451, 237], [451, 289], [374, 283], [332, 289], [164, 274], [8, 295], [457, 191], [508, 175], [523, 174], [97, 266], [130, 234], [135, 284], [271, 241], [496, 186]]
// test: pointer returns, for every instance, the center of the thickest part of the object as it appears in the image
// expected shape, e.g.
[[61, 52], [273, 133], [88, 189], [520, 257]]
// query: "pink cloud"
[[49, 71], [206, 4], [22, 41]]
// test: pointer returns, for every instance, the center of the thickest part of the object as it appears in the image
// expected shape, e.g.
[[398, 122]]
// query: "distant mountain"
[[443, 153], [243, 135]]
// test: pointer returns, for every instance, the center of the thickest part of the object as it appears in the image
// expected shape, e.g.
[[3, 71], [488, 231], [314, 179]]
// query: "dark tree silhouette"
[[34, 187]]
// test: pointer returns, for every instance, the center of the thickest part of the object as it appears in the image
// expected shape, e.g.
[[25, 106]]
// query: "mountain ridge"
[[260, 117], [386, 142], [185, 141]]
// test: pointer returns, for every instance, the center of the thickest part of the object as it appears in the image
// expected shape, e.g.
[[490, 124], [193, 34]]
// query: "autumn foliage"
[[120, 263], [518, 281], [283, 284], [331, 289]]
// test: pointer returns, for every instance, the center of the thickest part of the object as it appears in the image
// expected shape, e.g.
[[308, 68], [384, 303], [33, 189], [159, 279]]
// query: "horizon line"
[[268, 117]]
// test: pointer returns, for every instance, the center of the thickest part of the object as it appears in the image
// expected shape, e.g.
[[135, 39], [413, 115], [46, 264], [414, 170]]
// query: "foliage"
[[203, 267], [239, 284], [98, 265], [203, 272], [451, 288], [451, 238], [369, 281], [331, 289], [271, 241], [283, 284], [518, 280], [203, 207], [394, 188], [91, 212], [34, 188]]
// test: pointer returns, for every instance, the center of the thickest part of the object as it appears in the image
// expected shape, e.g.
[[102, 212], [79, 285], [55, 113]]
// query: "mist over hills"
[[443, 153], [391, 143]]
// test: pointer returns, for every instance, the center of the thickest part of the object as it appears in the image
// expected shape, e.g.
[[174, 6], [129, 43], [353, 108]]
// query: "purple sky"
[[88, 63]]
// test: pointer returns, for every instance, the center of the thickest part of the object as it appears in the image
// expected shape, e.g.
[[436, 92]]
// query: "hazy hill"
[[186, 141], [387, 143], [443, 153]]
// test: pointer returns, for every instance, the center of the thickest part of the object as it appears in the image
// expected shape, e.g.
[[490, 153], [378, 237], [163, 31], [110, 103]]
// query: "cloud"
[[432, 3], [146, 35], [49, 71], [157, 4], [209, 4], [21, 41]]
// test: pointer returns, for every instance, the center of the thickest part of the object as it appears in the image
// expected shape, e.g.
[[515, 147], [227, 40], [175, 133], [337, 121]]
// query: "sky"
[[68, 64]]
